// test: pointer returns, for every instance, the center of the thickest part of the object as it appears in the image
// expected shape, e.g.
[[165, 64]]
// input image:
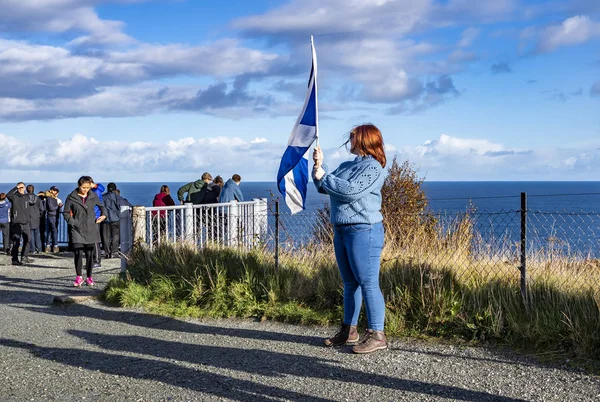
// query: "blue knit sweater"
[[355, 191]]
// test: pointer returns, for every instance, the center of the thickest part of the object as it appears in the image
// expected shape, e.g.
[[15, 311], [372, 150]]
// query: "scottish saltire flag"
[[292, 178]]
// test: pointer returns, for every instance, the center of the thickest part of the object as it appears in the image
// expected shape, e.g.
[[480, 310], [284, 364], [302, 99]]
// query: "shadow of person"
[[273, 364], [170, 324], [164, 372]]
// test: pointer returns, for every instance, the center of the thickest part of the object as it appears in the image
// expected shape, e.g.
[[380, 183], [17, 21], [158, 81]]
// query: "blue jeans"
[[35, 242], [358, 253]]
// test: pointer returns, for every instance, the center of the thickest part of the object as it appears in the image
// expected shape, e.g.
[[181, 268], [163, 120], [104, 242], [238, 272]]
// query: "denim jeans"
[[358, 253], [35, 241], [51, 231]]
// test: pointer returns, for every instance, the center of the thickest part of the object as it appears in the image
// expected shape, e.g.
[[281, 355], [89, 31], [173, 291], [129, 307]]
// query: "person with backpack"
[[53, 205], [111, 227]]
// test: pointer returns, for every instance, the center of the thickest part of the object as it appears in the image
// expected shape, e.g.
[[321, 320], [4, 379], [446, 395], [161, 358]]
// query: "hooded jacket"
[[35, 210], [208, 195], [113, 203], [230, 192], [190, 188], [162, 200], [81, 218], [19, 211], [4, 208]]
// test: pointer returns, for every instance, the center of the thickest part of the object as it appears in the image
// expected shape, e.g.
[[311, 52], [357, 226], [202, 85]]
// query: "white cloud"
[[445, 158], [84, 155], [61, 16], [572, 31], [455, 158]]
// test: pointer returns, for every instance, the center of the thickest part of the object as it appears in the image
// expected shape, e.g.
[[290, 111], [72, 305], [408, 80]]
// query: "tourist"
[[185, 192], [231, 190], [98, 189], [19, 223], [35, 212], [83, 227], [159, 220], [111, 227], [53, 205], [354, 189], [5, 222]]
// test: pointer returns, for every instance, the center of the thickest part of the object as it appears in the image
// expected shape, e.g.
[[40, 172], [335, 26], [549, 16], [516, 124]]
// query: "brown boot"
[[372, 341], [346, 335]]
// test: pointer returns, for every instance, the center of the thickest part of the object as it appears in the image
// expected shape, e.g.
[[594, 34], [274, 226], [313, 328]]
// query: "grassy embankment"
[[437, 284]]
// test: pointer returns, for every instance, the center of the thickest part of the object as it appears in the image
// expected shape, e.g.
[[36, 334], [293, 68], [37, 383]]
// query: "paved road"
[[91, 351]]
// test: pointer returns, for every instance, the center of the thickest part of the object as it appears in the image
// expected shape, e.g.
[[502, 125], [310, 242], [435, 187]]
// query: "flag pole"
[[314, 60]]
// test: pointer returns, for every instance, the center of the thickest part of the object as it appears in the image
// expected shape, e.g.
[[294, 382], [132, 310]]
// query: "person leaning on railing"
[[354, 189]]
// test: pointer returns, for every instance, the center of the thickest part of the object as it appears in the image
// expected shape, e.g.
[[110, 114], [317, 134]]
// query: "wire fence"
[[529, 247]]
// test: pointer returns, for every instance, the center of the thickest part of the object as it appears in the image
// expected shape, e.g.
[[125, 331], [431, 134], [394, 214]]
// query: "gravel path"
[[91, 351]]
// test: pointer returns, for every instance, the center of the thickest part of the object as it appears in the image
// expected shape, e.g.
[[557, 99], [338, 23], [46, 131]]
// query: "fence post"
[[139, 224], [189, 222], [523, 267], [260, 221], [125, 236], [232, 225], [276, 236]]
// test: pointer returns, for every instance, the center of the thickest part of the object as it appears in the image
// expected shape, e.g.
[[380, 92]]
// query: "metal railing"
[[235, 224]]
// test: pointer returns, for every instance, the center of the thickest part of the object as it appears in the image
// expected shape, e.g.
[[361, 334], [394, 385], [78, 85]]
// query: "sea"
[[444, 196]]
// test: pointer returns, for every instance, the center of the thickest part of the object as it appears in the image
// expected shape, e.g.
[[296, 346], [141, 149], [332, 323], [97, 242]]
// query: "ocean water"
[[444, 196]]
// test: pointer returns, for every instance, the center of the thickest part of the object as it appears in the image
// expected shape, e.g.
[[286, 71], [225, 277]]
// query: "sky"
[[134, 90]]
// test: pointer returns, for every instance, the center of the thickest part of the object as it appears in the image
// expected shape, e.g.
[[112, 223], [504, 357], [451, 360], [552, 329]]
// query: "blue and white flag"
[[292, 178]]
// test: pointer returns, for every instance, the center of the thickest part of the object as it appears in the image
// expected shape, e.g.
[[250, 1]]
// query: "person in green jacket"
[[193, 187]]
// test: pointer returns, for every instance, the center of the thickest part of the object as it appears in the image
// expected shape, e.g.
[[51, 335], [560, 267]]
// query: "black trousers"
[[104, 237], [17, 231], [115, 237], [5, 228], [79, 250]]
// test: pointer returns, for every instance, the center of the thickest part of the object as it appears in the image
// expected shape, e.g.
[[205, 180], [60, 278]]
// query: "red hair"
[[369, 141]]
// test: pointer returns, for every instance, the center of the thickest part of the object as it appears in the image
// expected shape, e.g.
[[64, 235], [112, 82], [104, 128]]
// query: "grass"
[[442, 283]]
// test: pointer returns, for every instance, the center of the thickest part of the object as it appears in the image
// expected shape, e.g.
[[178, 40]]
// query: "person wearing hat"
[[53, 205], [111, 227], [192, 188]]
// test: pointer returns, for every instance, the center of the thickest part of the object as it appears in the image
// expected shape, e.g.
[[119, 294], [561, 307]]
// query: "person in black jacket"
[[110, 229], [52, 213], [19, 223], [80, 214], [35, 212]]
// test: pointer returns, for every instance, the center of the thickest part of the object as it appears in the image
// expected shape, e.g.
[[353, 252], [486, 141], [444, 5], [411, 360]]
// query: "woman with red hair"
[[354, 189]]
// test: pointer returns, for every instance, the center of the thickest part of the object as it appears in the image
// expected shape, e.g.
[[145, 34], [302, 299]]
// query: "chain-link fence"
[[524, 246]]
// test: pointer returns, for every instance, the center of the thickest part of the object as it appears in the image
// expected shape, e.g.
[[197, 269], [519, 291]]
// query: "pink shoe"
[[89, 281], [78, 281]]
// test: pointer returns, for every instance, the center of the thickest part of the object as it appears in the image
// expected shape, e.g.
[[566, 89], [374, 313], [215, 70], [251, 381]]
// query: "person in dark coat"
[[5, 222], [19, 223], [42, 196], [80, 214], [111, 228], [35, 213], [53, 206]]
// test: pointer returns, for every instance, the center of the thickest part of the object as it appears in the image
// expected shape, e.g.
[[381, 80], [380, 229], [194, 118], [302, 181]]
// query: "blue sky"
[[133, 90]]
